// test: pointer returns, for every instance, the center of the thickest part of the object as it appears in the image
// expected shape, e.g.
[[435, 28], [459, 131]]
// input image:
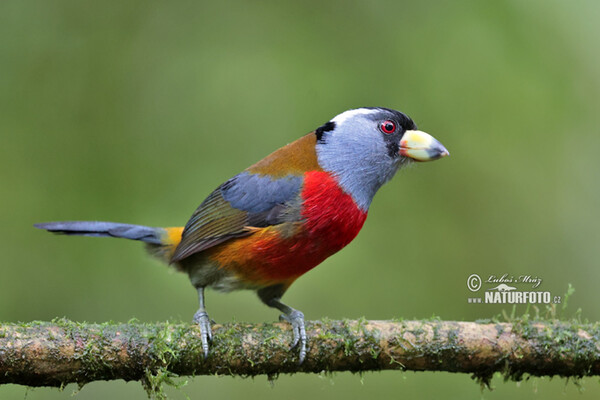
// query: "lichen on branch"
[[61, 352]]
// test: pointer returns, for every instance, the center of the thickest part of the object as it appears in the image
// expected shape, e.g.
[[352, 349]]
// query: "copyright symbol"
[[474, 282]]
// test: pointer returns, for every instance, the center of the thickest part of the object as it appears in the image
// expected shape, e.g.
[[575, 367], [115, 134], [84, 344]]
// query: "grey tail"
[[145, 234]]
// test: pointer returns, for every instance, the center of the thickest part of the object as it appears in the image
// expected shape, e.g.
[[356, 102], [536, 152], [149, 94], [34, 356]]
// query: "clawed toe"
[[201, 318], [271, 297], [296, 318]]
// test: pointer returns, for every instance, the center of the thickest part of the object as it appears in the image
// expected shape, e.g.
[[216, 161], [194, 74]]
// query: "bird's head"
[[363, 149]]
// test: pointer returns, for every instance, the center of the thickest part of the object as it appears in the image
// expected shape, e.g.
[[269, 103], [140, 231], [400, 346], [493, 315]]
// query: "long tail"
[[161, 241]]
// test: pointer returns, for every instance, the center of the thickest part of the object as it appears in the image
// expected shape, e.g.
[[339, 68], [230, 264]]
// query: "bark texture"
[[60, 352]]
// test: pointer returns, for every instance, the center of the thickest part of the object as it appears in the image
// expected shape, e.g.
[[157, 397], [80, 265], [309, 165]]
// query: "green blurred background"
[[134, 111]]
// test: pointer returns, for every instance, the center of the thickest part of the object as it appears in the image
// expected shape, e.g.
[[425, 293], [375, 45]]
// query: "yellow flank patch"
[[295, 158], [173, 235]]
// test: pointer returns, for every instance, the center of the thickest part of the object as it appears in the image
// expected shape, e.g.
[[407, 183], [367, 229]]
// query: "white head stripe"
[[339, 119]]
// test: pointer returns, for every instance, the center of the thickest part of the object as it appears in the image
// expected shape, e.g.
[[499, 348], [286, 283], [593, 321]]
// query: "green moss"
[[499, 329], [418, 331], [568, 294], [230, 341], [154, 382], [160, 343], [484, 379], [436, 332], [555, 339], [434, 318]]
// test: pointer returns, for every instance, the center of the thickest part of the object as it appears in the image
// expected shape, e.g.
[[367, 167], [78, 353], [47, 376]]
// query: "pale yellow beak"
[[421, 146]]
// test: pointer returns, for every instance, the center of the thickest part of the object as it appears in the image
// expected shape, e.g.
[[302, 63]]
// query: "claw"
[[296, 318], [201, 318]]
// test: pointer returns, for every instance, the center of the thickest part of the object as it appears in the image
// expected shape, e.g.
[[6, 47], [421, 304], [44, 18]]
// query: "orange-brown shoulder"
[[295, 158]]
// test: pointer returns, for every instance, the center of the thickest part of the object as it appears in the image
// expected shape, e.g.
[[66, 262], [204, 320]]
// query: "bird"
[[284, 215]]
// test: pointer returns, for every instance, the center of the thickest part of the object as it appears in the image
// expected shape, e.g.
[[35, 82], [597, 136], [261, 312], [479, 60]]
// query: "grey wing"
[[246, 200]]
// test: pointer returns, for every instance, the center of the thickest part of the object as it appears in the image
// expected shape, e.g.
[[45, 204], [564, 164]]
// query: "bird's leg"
[[296, 318], [201, 318], [271, 296]]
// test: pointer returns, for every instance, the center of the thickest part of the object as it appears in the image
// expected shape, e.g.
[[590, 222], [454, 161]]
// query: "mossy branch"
[[60, 352]]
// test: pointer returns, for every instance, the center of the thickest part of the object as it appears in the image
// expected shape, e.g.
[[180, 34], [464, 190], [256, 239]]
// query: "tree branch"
[[60, 352]]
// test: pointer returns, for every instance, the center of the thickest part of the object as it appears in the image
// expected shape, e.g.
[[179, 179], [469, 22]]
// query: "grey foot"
[[296, 318], [201, 318]]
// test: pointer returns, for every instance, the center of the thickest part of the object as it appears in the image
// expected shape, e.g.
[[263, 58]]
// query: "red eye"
[[388, 127]]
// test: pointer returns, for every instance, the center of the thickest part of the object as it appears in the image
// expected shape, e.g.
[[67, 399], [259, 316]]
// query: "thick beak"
[[421, 146]]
